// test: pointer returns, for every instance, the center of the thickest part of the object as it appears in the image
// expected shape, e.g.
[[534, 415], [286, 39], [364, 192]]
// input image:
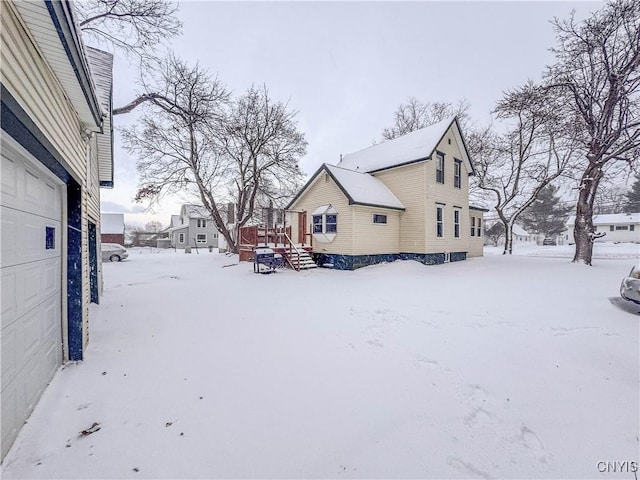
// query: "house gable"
[[416, 146], [358, 188]]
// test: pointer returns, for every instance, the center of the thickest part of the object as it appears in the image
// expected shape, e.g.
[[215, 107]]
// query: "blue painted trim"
[[93, 262], [353, 262], [74, 271], [16, 123]]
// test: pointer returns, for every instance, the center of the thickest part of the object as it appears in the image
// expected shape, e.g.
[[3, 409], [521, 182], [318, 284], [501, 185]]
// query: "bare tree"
[[153, 226], [134, 26], [415, 115], [193, 139], [516, 166], [261, 142], [597, 72]]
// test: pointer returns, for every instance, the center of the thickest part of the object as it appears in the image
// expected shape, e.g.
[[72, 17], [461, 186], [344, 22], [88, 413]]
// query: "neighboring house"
[[56, 151], [194, 227], [112, 228], [406, 198], [520, 235], [617, 227]]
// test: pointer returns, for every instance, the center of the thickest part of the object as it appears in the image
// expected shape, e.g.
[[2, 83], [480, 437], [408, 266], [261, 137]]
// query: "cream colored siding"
[[452, 198], [31, 82], [408, 185], [92, 188], [375, 238], [324, 191]]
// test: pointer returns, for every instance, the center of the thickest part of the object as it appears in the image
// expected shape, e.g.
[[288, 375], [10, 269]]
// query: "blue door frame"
[[17, 124], [93, 262]]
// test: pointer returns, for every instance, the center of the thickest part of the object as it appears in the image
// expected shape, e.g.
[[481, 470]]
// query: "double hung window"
[[439, 167]]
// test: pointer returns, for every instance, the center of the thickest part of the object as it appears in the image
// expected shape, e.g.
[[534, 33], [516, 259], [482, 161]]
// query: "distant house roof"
[[112, 223], [610, 219], [359, 188], [195, 211], [175, 221], [518, 230], [413, 147]]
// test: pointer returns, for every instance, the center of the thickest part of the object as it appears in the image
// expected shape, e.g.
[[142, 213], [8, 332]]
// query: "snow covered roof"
[[364, 189], [195, 211], [412, 147], [518, 230], [325, 209], [359, 188], [112, 223], [175, 221], [610, 219]]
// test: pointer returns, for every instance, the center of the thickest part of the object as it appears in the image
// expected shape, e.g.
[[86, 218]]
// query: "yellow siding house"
[[406, 198]]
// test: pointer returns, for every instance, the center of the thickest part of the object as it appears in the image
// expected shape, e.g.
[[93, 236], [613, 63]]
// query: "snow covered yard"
[[497, 367]]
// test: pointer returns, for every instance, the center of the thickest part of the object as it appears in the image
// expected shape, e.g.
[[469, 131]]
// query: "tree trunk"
[[508, 239], [583, 232]]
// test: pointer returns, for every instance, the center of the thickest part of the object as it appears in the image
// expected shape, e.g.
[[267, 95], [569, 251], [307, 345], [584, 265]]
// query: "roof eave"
[[401, 209], [62, 18]]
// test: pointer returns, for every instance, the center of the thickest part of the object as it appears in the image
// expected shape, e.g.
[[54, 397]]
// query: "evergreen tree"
[[632, 205], [547, 215]]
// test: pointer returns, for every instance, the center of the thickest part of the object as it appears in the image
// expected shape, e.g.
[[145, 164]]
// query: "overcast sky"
[[345, 67]]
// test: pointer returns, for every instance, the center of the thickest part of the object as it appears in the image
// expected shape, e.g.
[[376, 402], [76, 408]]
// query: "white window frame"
[[201, 238], [439, 221], [456, 223], [473, 226], [324, 230], [201, 223], [439, 167], [457, 173], [181, 238], [479, 227]]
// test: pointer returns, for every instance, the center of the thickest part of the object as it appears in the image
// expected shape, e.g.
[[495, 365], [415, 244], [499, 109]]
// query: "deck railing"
[[289, 257]]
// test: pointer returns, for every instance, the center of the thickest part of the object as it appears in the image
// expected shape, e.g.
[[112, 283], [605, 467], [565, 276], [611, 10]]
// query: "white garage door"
[[31, 258]]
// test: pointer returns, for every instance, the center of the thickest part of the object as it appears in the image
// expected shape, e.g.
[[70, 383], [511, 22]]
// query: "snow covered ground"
[[523, 366]]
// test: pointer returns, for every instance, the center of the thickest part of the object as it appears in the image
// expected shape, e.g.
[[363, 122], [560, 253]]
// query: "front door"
[[302, 227]]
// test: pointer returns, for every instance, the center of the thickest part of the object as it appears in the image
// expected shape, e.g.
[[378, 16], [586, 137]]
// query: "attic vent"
[[449, 140], [326, 177]]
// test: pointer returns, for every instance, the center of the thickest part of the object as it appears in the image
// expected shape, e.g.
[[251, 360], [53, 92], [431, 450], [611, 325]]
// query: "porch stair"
[[299, 259]]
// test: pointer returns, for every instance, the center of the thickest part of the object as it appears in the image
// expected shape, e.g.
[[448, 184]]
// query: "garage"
[[31, 270]]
